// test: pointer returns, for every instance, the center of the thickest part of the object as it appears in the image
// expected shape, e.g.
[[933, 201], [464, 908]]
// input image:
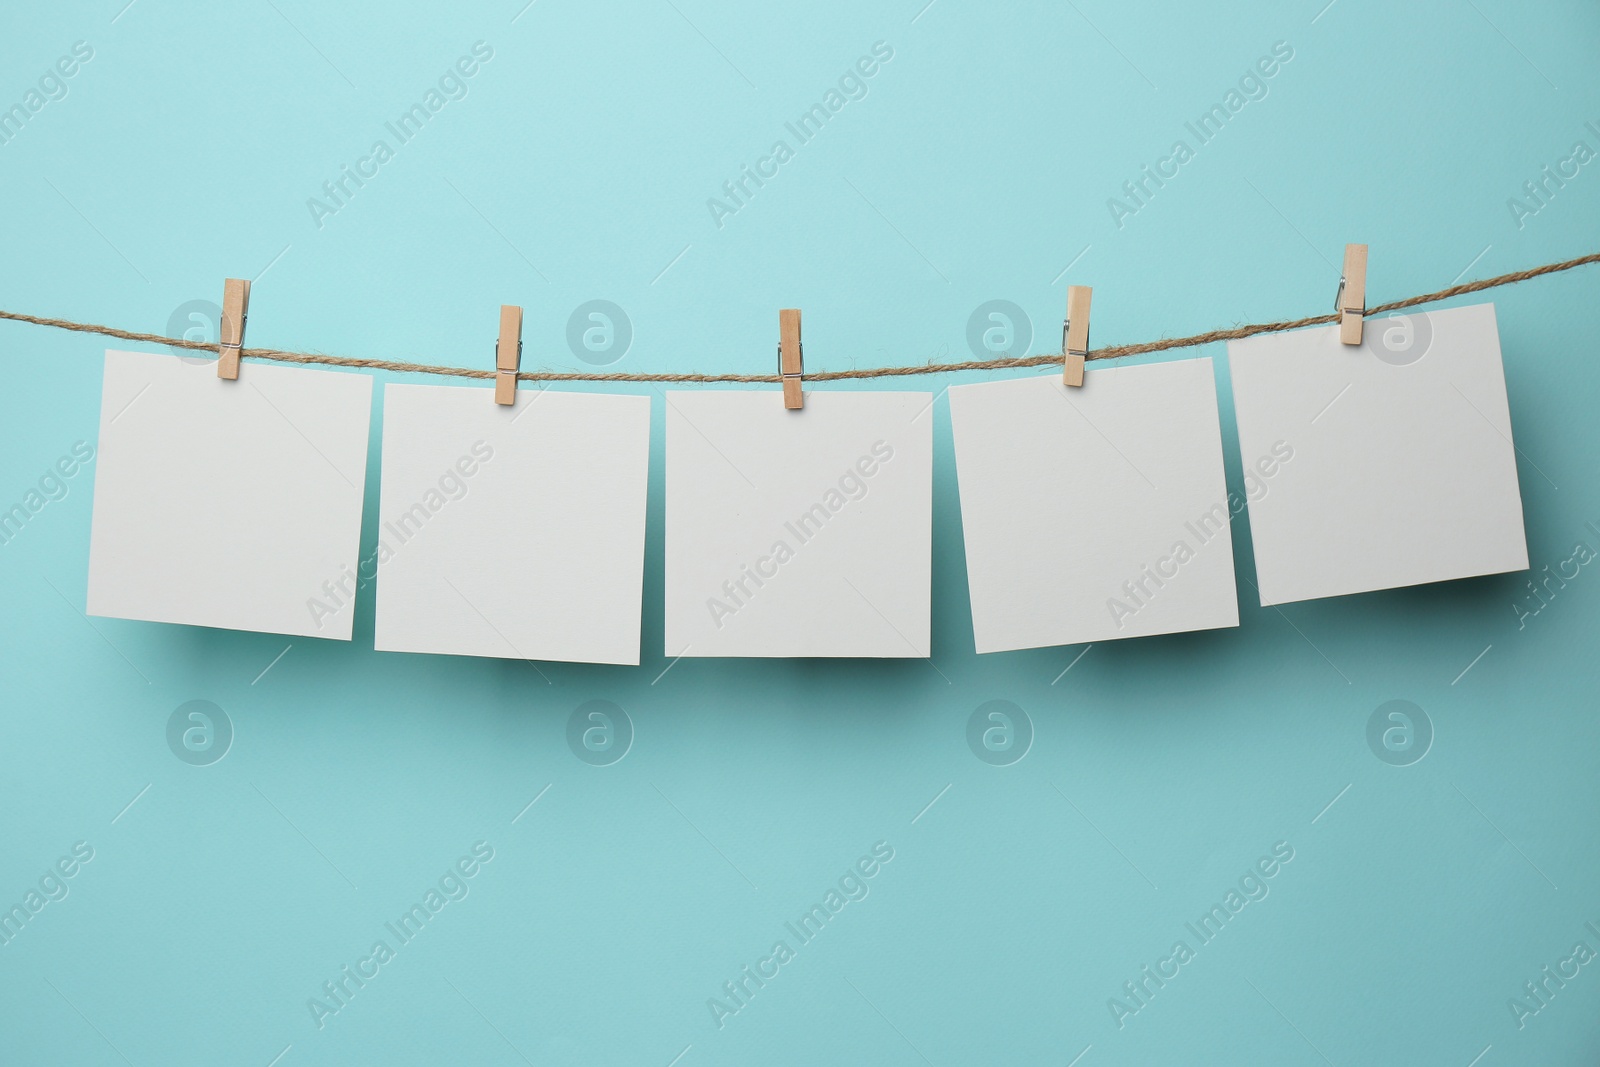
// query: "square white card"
[[227, 503], [1403, 471], [799, 533], [512, 531], [1094, 513]]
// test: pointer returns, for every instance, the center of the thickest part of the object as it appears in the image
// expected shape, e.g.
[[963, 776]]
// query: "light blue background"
[[977, 167]]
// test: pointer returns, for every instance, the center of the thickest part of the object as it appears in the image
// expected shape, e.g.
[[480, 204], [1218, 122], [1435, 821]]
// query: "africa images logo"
[[199, 733], [850, 887]]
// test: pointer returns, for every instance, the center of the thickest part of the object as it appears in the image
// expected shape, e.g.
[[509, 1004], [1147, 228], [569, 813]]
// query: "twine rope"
[[1108, 352]]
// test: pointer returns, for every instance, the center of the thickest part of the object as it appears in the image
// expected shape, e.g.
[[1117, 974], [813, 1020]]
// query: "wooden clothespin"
[[1075, 334], [790, 361], [508, 354], [235, 307], [1351, 302]]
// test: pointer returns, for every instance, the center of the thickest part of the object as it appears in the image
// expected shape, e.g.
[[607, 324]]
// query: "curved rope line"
[[1109, 352]]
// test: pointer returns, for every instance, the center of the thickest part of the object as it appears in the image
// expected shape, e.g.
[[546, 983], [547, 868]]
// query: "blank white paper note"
[[799, 533], [1094, 513], [234, 504], [512, 531], [1404, 469]]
